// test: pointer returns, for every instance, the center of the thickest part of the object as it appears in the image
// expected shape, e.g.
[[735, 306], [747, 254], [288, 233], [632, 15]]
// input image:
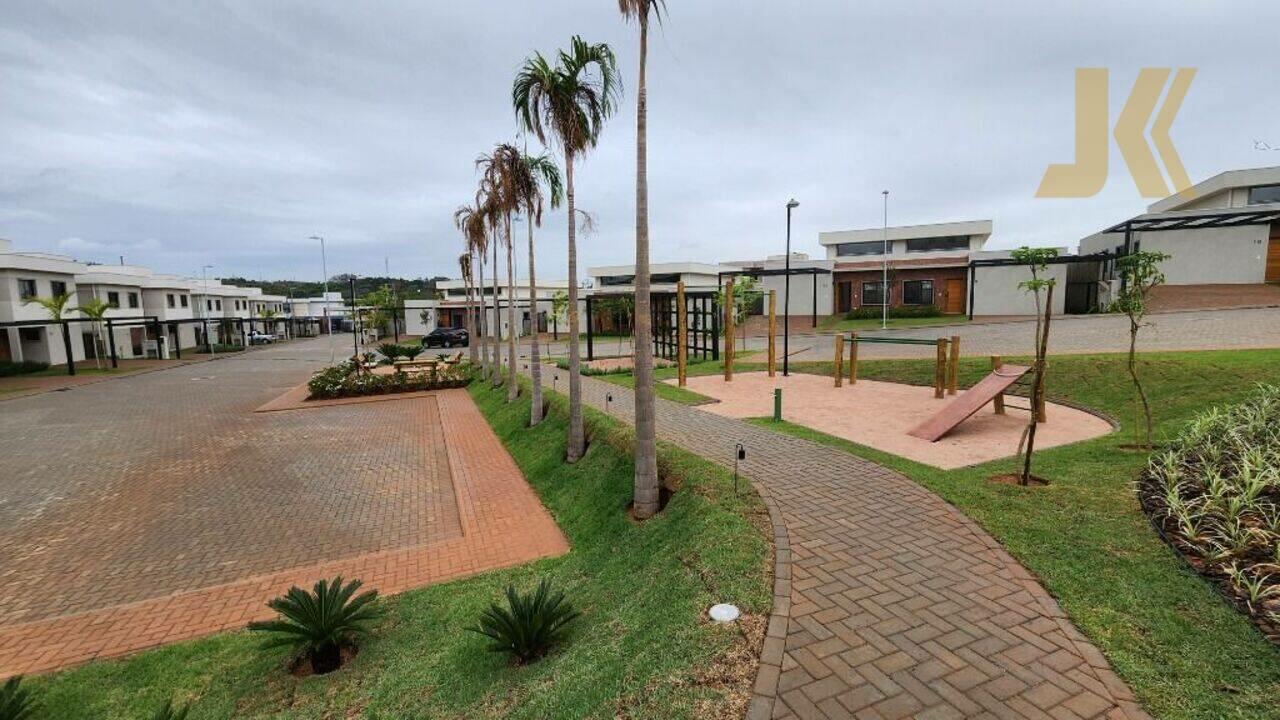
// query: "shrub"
[[320, 623], [342, 380], [1215, 495], [906, 311], [530, 624], [9, 369], [391, 351], [16, 702], [168, 712]]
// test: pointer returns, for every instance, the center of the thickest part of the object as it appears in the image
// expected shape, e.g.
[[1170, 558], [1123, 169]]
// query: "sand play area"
[[879, 415]]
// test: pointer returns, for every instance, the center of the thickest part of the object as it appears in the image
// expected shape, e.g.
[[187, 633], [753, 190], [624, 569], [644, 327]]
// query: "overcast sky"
[[180, 134]]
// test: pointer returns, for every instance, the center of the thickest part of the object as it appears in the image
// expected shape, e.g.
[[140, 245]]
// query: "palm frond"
[[16, 702]]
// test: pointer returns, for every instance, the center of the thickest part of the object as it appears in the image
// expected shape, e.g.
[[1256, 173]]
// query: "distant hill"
[[417, 289]]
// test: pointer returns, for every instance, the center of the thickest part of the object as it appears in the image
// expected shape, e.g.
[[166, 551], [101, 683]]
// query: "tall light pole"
[[324, 267], [204, 277], [786, 295], [884, 283]]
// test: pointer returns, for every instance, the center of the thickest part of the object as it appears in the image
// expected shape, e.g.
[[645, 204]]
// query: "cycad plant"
[[320, 623], [530, 624], [16, 702], [167, 711]]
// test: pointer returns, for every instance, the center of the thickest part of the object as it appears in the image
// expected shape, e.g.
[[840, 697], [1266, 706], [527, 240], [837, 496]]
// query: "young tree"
[[567, 105], [1037, 259], [1139, 274], [559, 304], [95, 309], [746, 296]]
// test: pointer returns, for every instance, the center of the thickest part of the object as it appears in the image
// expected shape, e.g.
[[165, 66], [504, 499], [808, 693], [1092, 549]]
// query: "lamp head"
[[792, 204]]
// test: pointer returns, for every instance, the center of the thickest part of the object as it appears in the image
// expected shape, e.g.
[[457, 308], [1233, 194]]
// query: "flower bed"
[[1215, 497], [346, 380]]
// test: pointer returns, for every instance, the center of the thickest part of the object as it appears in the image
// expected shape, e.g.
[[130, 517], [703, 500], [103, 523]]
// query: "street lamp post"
[[884, 283], [204, 277], [324, 300], [786, 295]]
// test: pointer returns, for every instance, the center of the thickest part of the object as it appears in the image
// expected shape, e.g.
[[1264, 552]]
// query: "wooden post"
[[837, 367], [1040, 403], [953, 373], [998, 402], [940, 369], [682, 337], [853, 358], [773, 326], [728, 330]]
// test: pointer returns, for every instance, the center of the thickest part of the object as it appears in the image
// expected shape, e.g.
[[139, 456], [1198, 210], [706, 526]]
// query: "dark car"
[[446, 337]]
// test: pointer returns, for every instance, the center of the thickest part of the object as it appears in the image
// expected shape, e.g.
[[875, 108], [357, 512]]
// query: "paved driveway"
[[154, 486]]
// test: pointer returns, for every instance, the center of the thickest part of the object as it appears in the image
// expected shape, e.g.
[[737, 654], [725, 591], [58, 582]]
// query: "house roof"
[[1222, 181], [907, 232]]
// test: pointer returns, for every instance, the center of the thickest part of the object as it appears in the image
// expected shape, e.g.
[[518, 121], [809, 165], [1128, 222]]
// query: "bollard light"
[[608, 398], [741, 454]]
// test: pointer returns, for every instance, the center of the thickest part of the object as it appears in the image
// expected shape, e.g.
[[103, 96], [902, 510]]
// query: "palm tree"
[[568, 104], [646, 454], [464, 267], [96, 310], [504, 172], [537, 172], [470, 220], [56, 306], [489, 204]]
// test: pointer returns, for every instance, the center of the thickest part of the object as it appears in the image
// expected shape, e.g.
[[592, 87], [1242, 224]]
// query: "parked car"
[[260, 338], [446, 337]]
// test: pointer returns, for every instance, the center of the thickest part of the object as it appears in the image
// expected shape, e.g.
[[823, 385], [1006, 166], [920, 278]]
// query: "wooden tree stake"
[[837, 367], [953, 373], [853, 358], [940, 369]]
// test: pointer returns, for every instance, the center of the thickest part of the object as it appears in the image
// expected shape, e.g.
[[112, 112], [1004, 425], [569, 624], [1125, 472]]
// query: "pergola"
[[758, 273]]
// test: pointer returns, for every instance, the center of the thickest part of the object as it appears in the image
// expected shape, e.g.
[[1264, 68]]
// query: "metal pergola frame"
[[781, 272], [1103, 256]]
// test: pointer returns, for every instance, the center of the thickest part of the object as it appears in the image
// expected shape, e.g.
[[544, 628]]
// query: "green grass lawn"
[[641, 649], [1183, 649], [837, 323]]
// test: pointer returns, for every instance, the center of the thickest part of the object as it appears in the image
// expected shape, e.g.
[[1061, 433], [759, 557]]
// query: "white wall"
[[1199, 256], [996, 291]]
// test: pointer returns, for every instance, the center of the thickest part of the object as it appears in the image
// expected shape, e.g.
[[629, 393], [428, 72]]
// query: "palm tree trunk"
[[646, 454], [577, 434], [535, 361], [472, 351], [483, 321], [513, 388], [497, 317]]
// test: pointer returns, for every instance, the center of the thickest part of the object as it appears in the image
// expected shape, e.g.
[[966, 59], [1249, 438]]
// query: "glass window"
[[872, 247], [617, 279], [113, 299], [1264, 194], [949, 242], [184, 300], [133, 300], [169, 299], [917, 292], [26, 288], [217, 304], [872, 293], [57, 287], [208, 304]]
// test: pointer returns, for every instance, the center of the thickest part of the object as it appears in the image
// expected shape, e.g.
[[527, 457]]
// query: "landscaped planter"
[[344, 380]]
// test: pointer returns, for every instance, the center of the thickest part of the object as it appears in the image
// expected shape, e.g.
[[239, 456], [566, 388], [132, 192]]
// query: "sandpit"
[[879, 414]]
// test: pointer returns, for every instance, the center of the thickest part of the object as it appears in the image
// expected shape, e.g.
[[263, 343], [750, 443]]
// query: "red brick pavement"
[[502, 523], [888, 602]]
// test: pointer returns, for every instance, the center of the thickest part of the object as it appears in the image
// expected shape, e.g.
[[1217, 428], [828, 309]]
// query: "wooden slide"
[[970, 402]]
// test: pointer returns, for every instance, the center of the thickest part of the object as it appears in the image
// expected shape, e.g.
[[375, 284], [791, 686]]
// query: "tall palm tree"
[[95, 309], [464, 268], [568, 104], [489, 204], [537, 173], [504, 172], [56, 306], [471, 221], [645, 489]]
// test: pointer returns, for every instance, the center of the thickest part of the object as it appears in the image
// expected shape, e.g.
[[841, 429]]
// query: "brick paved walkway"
[[889, 603], [132, 519]]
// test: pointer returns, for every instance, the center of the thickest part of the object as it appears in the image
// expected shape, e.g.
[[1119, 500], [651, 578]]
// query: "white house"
[[24, 276], [811, 282], [423, 316]]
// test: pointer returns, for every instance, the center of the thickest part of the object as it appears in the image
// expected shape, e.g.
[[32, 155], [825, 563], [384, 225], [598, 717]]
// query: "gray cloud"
[[183, 134]]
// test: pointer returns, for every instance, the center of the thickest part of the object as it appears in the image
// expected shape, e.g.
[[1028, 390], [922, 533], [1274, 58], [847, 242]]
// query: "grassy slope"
[[1183, 649], [635, 652]]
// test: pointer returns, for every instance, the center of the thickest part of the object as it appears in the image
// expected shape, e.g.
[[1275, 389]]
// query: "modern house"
[[927, 265], [25, 333], [810, 285], [423, 316]]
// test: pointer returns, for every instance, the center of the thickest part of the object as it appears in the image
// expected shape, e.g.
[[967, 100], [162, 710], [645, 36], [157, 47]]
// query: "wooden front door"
[[1273, 255], [953, 302]]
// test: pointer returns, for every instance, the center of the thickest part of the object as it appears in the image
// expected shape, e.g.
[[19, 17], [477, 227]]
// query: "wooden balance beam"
[[969, 402]]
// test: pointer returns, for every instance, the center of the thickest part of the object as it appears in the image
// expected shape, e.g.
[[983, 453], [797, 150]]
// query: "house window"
[[184, 300], [917, 292], [26, 288], [217, 304], [113, 299], [873, 247], [57, 287], [1264, 194], [208, 304], [872, 293], [169, 299], [948, 242], [133, 300]]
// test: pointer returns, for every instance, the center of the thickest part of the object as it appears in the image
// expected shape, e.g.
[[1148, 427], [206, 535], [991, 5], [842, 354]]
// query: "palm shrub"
[[390, 350], [167, 711], [530, 624], [16, 702], [320, 623]]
